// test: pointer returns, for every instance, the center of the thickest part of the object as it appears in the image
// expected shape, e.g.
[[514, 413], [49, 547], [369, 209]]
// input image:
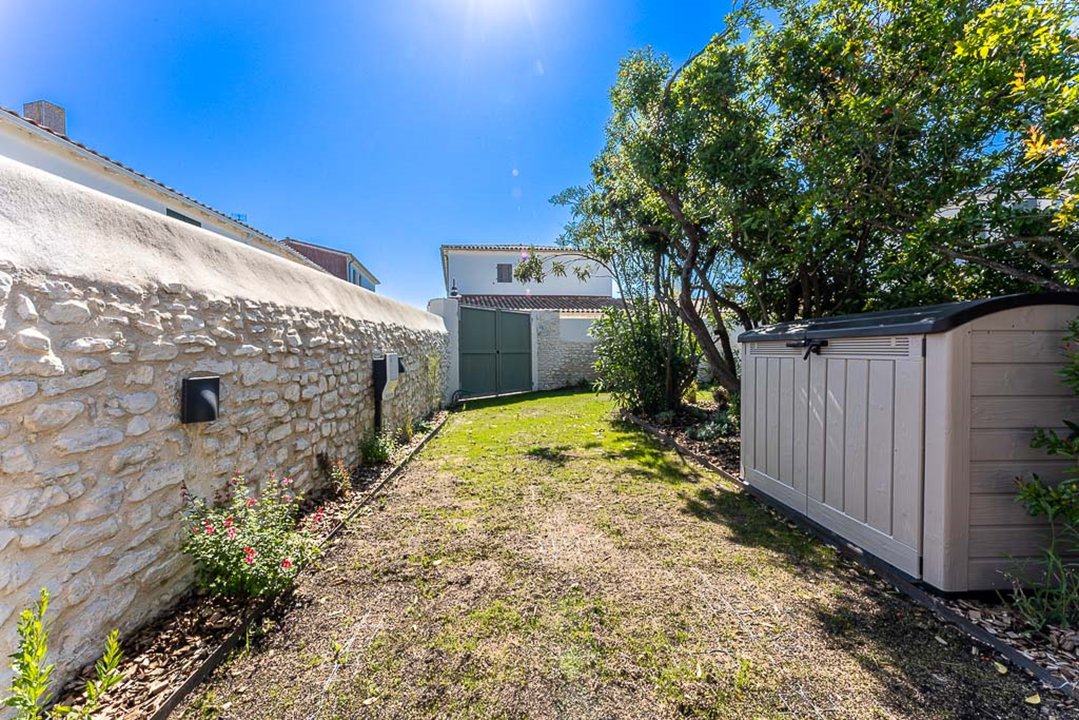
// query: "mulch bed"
[[160, 657], [1053, 648], [725, 452]]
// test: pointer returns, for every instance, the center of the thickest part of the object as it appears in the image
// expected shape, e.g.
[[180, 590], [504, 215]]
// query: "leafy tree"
[[1023, 58], [830, 156]]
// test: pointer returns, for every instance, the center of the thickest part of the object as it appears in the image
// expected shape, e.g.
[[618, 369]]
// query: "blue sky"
[[382, 127]]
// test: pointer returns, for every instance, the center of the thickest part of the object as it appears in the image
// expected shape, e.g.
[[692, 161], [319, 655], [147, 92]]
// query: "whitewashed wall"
[[104, 308], [37, 149], [476, 273]]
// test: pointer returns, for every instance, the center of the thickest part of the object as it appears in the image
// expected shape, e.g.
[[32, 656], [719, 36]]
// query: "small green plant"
[[408, 431], [690, 395], [734, 411], [1056, 599], [340, 476], [250, 546], [377, 448], [714, 429], [30, 686]]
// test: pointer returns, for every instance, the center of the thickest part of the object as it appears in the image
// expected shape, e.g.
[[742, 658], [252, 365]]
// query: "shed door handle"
[[811, 345]]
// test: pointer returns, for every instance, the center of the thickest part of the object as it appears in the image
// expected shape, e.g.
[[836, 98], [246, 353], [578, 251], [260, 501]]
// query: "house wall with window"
[[27, 143], [488, 270], [338, 263]]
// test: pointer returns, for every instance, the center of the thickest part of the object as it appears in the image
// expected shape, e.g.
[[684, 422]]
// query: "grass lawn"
[[541, 560]]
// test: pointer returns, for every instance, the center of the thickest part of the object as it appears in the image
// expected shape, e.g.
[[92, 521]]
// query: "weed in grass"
[[743, 675], [205, 707]]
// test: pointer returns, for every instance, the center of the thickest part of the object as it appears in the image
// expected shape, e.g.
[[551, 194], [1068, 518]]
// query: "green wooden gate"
[[496, 352]]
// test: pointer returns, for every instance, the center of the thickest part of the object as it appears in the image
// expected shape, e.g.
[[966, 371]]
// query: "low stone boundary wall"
[[565, 355], [104, 308]]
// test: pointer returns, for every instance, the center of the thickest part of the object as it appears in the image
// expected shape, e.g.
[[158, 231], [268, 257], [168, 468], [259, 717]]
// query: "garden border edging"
[[214, 659]]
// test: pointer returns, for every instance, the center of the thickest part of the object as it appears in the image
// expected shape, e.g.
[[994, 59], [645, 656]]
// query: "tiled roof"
[[510, 246], [297, 245], [564, 303], [187, 198]]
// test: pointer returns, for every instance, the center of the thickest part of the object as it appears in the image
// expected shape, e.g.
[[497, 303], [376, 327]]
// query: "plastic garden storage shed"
[[904, 431]]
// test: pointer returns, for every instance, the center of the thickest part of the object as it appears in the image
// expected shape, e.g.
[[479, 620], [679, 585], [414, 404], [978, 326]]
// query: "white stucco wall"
[[449, 310], [475, 273], [105, 307], [37, 149], [574, 328]]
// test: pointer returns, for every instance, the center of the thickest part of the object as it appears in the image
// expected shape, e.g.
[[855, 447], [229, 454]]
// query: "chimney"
[[47, 114]]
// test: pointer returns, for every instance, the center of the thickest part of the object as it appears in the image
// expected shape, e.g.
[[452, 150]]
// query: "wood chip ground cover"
[[540, 559]]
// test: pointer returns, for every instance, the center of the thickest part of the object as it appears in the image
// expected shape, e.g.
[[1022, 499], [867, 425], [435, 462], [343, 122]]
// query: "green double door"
[[496, 352]]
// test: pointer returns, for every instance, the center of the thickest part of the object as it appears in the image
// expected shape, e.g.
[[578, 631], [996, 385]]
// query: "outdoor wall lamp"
[[199, 398]]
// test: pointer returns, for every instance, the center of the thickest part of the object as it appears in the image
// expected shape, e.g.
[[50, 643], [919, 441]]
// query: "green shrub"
[[251, 545], [690, 395], [646, 359], [30, 686], [377, 448], [734, 411], [1056, 599], [711, 430]]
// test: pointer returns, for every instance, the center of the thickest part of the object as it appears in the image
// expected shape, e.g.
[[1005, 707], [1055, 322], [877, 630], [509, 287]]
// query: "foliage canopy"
[[830, 156]]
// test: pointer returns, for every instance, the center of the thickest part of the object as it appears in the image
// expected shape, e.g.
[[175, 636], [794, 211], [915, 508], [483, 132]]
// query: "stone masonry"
[[560, 363], [92, 353]]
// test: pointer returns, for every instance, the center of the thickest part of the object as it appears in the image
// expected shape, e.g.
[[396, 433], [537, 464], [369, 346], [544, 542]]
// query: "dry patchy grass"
[[542, 560]]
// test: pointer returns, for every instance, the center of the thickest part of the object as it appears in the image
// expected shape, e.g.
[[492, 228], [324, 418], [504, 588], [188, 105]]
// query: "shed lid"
[[908, 321]]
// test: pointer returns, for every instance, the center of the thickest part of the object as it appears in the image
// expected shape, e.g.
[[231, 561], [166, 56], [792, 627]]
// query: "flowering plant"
[[248, 545]]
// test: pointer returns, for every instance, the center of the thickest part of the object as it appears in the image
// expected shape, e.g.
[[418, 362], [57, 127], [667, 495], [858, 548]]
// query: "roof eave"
[[90, 155]]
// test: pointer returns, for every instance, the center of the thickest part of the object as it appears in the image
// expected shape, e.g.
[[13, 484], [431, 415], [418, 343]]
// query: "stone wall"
[[104, 308], [560, 362]]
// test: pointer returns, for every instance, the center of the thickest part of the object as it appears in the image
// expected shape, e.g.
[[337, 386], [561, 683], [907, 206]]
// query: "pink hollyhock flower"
[[251, 502], [286, 563], [209, 528], [249, 555], [232, 533]]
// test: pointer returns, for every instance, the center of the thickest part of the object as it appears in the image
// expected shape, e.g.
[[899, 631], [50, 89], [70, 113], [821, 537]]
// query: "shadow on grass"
[[897, 645], [654, 460], [556, 455], [513, 399], [751, 523]]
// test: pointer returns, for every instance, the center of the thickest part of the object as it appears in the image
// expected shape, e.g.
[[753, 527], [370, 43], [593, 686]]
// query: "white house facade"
[[507, 336], [488, 270], [39, 138]]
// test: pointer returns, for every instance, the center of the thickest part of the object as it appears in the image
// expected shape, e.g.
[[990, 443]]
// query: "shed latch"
[[810, 344]]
